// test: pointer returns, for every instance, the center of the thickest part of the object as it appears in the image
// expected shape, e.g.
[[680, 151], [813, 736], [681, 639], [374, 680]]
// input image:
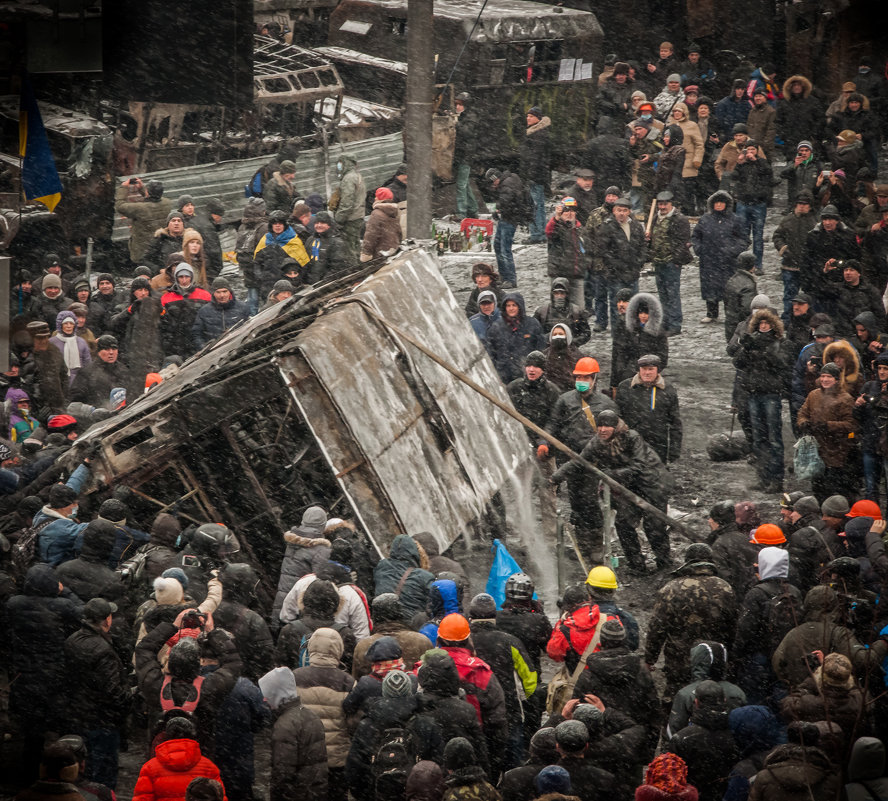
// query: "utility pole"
[[418, 122]]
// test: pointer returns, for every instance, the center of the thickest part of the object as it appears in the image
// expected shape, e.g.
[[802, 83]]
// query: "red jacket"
[[166, 777], [573, 633], [483, 690]]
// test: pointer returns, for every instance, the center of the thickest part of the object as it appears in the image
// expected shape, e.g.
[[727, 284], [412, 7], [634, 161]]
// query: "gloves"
[[542, 452]]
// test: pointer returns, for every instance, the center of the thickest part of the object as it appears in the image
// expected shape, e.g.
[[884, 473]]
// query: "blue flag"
[[504, 565], [40, 179]]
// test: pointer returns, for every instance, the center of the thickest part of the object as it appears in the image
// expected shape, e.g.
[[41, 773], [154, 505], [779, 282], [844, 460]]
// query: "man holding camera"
[[830, 242]]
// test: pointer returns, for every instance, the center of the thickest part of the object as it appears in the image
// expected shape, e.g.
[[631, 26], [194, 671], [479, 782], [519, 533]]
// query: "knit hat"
[[804, 143], [221, 283], [830, 212], [214, 206], [835, 505], [458, 753], [673, 77], [667, 772], [282, 286], [807, 505], [535, 359], [178, 574], [396, 684], [760, 301], [831, 368], [836, 671], [114, 511], [858, 527], [612, 631], [552, 779], [288, 166], [571, 736], [51, 280], [107, 342], [324, 217], [536, 111], [592, 718], [183, 201], [175, 215], [168, 591], [384, 194], [141, 282], [543, 745]]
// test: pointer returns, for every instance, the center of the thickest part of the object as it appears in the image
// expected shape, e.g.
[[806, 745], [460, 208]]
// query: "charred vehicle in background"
[[519, 55]]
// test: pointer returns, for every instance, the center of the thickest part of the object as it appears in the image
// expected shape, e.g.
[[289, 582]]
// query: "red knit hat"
[[668, 772], [384, 194]]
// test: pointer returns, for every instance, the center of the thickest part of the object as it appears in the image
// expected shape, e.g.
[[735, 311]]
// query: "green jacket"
[[352, 192]]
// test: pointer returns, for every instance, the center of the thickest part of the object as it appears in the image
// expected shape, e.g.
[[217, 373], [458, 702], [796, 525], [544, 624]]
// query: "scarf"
[[380, 669], [71, 352]]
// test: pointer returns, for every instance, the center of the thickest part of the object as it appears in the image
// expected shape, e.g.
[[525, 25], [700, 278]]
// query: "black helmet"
[[464, 97], [845, 567], [723, 512], [216, 540], [277, 217], [519, 587]]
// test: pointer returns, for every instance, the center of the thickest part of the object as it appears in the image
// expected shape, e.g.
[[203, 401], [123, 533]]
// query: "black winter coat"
[[39, 621], [509, 342], [465, 144], [98, 691], [511, 199], [718, 239], [568, 421], [455, 718], [568, 251], [298, 755], [752, 181], [89, 576], [329, 256], [289, 641], [708, 748], [623, 258], [95, 381], [215, 318], [161, 247], [760, 359], [756, 632], [502, 651], [653, 412], [534, 399], [740, 289], [389, 713], [734, 557], [529, 624], [820, 247], [251, 637]]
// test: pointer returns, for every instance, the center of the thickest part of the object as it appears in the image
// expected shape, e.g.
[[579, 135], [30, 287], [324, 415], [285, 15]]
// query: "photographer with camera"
[[829, 242], [210, 548], [871, 412]]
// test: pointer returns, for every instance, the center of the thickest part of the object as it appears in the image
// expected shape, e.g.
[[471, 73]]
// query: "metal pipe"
[[418, 122]]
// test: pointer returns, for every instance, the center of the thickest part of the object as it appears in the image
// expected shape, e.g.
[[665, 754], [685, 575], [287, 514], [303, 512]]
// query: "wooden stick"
[[650, 222]]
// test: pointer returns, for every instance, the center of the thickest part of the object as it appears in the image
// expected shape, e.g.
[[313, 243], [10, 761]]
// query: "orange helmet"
[[586, 366], [866, 509], [768, 534], [454, 627]]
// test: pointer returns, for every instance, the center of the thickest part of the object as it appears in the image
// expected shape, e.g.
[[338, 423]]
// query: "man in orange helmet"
[[573, 421]]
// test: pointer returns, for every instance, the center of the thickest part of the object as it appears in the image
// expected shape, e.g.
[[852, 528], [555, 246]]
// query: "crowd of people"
[[388, 678]]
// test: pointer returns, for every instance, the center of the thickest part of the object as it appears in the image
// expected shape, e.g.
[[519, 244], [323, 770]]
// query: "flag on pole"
[[504, 565], [40, 179]]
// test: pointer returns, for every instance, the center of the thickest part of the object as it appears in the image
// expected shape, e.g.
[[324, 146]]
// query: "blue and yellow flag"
[[40, 179]]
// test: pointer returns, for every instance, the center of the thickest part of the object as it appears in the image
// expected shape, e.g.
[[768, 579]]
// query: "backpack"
[[24, 551], [302, 658], [784, 612], [392, 764], [253, 188]]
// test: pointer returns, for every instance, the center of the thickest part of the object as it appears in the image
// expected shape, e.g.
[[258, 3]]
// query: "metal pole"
[[4, 313], [418, 123]]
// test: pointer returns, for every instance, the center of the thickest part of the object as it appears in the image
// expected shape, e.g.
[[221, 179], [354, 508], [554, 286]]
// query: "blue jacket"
[[443, 600], [508, 344], [729, 112], [214, 319], [481, 324], [61, 539]]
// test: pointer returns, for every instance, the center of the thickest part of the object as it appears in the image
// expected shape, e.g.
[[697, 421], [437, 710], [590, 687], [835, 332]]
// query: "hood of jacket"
[[771, 317], [255, 211], [165, 530], [821, 604], [867, 760], [584, 618], [795, 768], [387, 208], [519, 299], [755, 728], [773, 563], [655, 310], [437, 673], [868, 320], [544, 123], [568, 334], [404, 550], [325, 648], [708, 661], [787, 86], [14, 395], [41, 580], [348, 162], [98, 541], [562, 284], [443, 598], [676, 136], [851, 371], [682, 107], [278, 687], [725, 197], [178, 756]]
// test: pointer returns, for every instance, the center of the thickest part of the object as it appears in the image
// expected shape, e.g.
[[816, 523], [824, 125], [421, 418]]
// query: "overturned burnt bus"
[[316, 400]]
